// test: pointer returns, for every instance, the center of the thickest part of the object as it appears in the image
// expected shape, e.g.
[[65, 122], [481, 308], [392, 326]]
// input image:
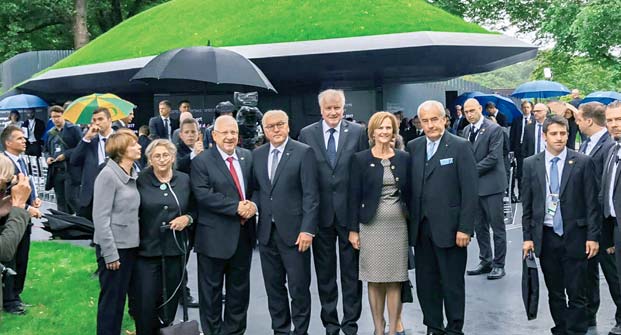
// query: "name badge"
[[446, 161], [552, 206], [58, 149]]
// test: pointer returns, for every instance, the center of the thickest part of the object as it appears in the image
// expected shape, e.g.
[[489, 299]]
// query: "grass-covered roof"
[[182, 23]]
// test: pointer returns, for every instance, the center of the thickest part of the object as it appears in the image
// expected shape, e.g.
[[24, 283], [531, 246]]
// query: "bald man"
[[225, 233], [534, 142]]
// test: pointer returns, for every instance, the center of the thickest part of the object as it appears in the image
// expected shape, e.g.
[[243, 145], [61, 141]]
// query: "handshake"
[[246, 209]]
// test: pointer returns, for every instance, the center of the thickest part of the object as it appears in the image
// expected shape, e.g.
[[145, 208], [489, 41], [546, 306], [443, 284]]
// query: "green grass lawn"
[[183, 23], [63, 291]]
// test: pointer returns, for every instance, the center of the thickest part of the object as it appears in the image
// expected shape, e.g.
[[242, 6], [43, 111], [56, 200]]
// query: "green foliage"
[[506, 77], [183, 23], [63, 291]]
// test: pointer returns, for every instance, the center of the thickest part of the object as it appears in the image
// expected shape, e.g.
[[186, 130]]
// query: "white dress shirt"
[[15, 160], [547, 221], [594, 139], [326, 134], [477, 126], [237, 166]]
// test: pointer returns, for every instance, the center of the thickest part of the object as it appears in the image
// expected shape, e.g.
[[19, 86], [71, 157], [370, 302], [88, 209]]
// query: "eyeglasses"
[[226, 133], [275, 126], [164, 156]]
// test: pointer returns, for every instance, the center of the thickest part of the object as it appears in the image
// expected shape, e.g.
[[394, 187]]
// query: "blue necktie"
[[430, 149], [166, 132], [22, 166], [332, 148], [584, 145], [275, 153], [538, 139], [557, 220]]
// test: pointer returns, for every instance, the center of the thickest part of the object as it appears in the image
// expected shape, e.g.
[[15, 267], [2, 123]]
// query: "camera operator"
[[15, 218]]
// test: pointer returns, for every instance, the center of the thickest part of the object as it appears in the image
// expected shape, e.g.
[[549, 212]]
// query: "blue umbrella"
[[604, 97], [22, 101], [505, 105], [540, 89]]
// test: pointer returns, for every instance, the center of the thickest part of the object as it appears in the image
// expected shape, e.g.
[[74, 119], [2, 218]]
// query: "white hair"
[[329, 93], [431, 104]]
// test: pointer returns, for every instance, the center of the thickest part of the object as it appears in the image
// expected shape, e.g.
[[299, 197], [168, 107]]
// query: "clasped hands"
[[246, 209]]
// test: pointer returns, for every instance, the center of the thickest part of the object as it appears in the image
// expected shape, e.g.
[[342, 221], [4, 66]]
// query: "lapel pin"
[[372, 165], [392, 167], [288, 153], [346, 130], [570, 162], [396, 178], [241, 158]]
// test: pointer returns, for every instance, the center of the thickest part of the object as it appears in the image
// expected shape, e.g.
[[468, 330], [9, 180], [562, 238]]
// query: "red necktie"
[[235, 179]]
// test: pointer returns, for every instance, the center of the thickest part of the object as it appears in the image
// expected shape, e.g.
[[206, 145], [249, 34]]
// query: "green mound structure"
[[184, 23]]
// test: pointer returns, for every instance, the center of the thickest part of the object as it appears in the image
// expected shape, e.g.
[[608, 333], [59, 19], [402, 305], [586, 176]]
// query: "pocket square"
[[446, 161]]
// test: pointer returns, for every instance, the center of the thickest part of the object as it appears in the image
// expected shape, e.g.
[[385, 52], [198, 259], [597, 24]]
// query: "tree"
[[80, 30]]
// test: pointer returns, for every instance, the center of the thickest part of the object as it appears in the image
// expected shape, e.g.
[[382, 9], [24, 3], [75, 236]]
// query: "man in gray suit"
[[334, 142], [487, 140], [286, 192]]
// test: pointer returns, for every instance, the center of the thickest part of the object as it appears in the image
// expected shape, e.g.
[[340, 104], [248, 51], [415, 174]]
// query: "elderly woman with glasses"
[[115, 217], [165, 214]]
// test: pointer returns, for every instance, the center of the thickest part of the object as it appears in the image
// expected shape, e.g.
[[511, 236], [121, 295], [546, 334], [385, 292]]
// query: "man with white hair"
[[441, 223]]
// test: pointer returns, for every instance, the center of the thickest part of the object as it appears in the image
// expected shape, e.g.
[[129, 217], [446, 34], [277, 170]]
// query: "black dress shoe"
[[482, 268], [16, 310], [496, 273]]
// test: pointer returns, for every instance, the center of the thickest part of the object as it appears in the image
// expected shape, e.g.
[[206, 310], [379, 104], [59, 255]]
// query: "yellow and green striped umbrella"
[[81, 110]]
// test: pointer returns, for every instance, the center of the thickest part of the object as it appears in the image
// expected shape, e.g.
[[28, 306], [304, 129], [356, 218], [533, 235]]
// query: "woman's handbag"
[[406, 292]]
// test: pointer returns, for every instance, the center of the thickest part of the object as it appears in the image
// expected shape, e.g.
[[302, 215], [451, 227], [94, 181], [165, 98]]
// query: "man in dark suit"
[[14, 142], [190, 144], [225, 234], [124, 122], [441, 222], [34, 130], [334, 142], [459, 122], [61, 142], [516, 138], [561, 223], [163, 126], [287, 195], [487, 139], [591, 119], [88, 155], [494, 113], [533, 134]]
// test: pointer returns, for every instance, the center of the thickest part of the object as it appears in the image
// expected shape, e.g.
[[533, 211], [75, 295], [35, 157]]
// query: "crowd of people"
[[367, 196]]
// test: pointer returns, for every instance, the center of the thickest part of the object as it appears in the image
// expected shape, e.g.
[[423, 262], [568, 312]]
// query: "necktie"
[[538, 148], [473, 134], [430, 149], [235, 179], [332, 148], [608, 190], [24, 169], [275, 153], [585, 144], [166, 132], [557, 220]]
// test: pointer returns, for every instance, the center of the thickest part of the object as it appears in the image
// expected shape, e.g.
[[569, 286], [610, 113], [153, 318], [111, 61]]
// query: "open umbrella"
[[465, 96], [202, 69], [22, 101], [505, 105], [540, 89], [604, 97], [81, 110]]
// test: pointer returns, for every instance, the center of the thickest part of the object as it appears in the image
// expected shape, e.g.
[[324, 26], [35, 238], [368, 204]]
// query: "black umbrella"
[[202, 69], [68, 227], [530, 286]]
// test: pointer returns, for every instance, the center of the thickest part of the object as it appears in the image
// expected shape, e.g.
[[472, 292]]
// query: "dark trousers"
[[72, 195], [517, 174], [325, 256], [565, 279], [490, 214], [114, 289], [440, 283], [14, 285], [86, 211], [609, 268], [284, 266], [60, 189], [149, 295], [235, 272]]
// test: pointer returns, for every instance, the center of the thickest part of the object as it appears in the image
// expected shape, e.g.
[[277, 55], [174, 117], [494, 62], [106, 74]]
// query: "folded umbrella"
[[68, 227], [530, 286]]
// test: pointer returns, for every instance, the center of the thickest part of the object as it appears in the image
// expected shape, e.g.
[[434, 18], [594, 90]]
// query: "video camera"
[[249, 119]]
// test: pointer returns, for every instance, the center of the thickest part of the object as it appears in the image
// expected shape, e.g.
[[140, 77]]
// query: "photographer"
[[15, 217]]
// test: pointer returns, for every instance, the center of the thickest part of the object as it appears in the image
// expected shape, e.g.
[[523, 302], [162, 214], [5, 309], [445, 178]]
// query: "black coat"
[[39, 129], [366, 185], [71, 135], [156, 127], [158, 207], [85, 157], [183, 157]]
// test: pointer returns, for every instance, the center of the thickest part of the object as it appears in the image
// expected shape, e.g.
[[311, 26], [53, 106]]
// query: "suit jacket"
[[599, 154], [501, 119], [333, 183], [144, 142], [578, 202], [85, 157], [367, 180], [444, 190], [528, 145], [71, 136], [488, 153], [39, 129], [156, 127], [291, 201], [183, 157], [515, 133], [218, 226]]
